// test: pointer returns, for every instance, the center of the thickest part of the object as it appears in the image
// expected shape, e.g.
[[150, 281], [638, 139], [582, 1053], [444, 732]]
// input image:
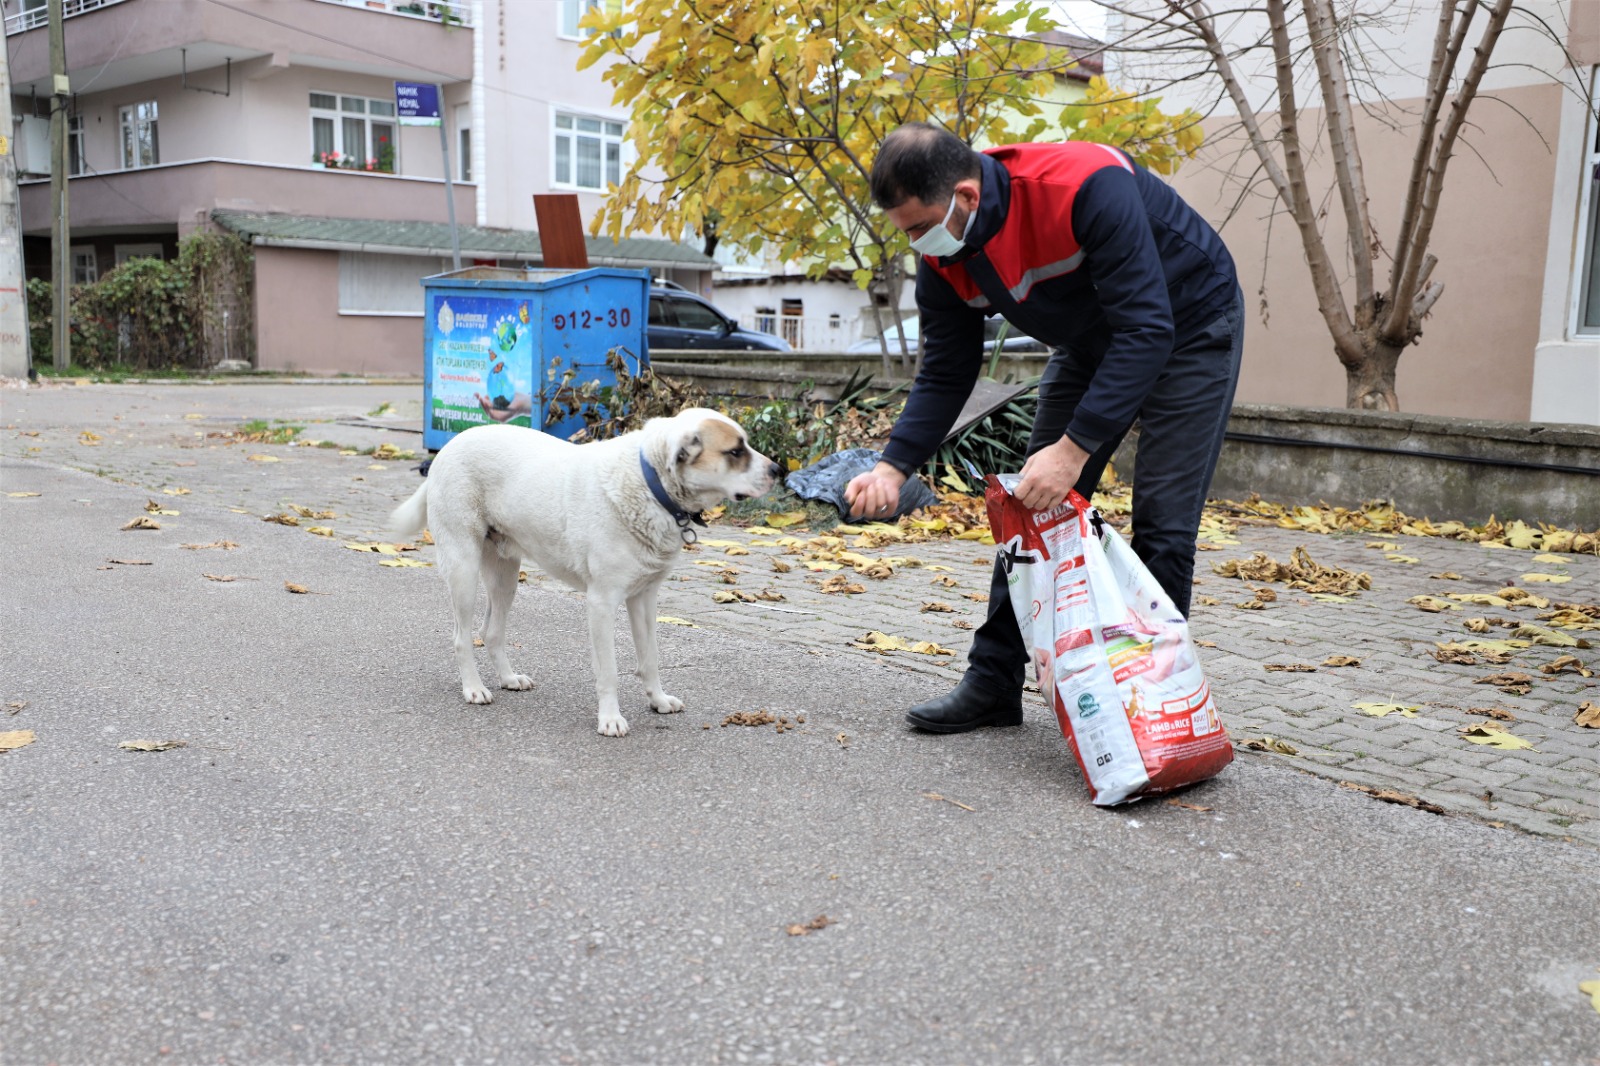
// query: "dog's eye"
[[737, 453]]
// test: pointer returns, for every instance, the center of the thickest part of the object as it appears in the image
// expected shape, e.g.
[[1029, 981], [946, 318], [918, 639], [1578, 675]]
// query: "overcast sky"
[[1081, 16]]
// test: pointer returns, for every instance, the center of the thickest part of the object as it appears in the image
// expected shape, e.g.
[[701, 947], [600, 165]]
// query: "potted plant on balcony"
[[385, 158]]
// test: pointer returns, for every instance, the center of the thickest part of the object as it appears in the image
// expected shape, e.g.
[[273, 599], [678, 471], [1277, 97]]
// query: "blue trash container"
[[499, 342]]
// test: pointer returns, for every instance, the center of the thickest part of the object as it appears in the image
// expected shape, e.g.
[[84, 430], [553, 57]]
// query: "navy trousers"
[[1180, 439]]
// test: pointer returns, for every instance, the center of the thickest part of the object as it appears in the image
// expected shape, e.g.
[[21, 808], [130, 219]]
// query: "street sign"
[[417, 104]]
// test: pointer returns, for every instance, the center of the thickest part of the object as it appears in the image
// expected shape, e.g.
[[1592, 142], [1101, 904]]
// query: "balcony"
[[33, 14], [175, 197], [112, 43]]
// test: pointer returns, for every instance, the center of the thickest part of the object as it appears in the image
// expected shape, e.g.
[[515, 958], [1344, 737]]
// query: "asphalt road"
[[346, 863]]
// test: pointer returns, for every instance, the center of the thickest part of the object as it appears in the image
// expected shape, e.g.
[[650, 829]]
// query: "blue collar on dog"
[[679, 515]]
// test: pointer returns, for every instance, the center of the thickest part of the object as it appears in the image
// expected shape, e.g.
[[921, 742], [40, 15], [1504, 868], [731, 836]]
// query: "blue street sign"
[[416, 104]]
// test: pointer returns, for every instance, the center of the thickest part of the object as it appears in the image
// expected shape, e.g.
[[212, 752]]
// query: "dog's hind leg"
[[602, 605], [460, 566], [642, 619], [500, 578]]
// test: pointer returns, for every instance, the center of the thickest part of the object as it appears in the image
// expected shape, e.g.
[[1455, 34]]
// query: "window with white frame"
[[85, 267], [1587, 317], [464, 142], [588, 152], [141, 147], [354, 133], [75, 157], [571, 12], [375, 284]]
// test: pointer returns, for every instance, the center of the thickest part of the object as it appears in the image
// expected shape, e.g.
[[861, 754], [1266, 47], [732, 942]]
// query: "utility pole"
[[60, 232], [14, 355]]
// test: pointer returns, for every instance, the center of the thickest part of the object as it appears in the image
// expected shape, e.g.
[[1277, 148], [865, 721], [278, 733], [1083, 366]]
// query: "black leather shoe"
[[970, 706]]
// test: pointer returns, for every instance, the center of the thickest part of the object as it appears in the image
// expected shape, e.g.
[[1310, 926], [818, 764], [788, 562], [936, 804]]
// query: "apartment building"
[[277, 120]]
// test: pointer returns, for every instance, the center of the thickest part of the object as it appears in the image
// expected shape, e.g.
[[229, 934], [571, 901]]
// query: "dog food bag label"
[[1110, 650]]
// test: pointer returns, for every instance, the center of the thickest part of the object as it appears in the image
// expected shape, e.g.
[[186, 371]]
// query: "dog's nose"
[[773, 470]]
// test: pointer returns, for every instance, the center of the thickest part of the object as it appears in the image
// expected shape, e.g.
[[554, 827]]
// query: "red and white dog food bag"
[[1110, 650]]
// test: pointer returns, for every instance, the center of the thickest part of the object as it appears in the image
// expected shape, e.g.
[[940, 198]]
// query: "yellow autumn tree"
[[760, 119]]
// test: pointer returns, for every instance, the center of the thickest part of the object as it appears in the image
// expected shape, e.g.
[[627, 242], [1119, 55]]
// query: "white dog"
[[588, 515]]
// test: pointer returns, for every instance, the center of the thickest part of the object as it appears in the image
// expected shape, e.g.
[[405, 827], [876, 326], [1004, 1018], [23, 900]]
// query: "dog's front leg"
[[642, 619], [602, 605]]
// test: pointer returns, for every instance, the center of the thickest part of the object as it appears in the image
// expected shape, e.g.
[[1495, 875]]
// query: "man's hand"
[[1049, 474], [875, 494]]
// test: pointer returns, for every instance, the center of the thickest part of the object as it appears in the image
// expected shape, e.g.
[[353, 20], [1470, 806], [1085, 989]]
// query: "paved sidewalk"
[[160, 437]]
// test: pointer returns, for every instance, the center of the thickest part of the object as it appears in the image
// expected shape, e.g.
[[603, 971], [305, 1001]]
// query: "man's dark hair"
[[923, 161]]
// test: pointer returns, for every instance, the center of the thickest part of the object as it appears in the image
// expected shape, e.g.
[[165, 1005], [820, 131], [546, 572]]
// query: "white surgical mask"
[[939, 241]]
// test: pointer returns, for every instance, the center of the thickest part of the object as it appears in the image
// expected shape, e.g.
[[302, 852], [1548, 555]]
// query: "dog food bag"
[[1110, 650]]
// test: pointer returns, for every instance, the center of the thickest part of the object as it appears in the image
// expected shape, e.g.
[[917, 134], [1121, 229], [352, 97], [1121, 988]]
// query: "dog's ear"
[[689, 448]]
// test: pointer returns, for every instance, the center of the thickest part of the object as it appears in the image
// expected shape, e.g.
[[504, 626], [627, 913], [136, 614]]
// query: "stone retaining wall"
[[1427, 465]]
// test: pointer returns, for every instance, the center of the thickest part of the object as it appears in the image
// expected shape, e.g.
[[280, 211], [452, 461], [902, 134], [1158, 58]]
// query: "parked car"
[[680, 319], [1014, 341]]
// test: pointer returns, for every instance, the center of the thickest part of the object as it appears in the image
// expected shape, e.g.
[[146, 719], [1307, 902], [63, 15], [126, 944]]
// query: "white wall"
[[821, 300]]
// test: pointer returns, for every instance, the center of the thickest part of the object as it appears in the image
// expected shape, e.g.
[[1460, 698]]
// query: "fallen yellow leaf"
[[786, 519], [176, 492], [152, 745], [1592, 990], [1380, 710], [1547, 579], [402, 562], [143, 522], [1588, 715], [667, 619], [321, 531], [17, 738], [1495, 738], [19, 495], [263, 459]]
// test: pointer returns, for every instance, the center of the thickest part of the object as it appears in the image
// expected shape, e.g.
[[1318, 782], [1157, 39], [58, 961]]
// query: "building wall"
[[1509, 201], [1474, 356], [299, 327], [527, 73]]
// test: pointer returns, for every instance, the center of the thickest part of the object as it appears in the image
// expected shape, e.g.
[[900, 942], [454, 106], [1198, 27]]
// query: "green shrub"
[[155, 314]]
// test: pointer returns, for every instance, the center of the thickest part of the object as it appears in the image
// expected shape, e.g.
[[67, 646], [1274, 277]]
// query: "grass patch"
[[258, 431], [112, 375]]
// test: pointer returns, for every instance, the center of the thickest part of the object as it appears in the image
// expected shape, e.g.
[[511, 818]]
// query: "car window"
[[693, 315], [659, 315]]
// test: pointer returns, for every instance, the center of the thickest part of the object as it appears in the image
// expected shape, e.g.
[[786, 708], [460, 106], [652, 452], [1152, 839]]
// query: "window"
[[464, 142], [75, 160], [588, 152], [373, 284], [140, 145], [354, 133], [793, 322], [1587, 274], [695, 315], [125, 252], [85, 268], [571, 12]]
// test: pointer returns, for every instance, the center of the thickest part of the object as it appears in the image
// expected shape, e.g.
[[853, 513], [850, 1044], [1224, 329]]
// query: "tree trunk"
[[1369, 380]]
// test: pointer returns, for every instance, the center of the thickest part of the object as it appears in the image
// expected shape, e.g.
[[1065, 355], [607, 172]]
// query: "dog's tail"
[[411, 517]]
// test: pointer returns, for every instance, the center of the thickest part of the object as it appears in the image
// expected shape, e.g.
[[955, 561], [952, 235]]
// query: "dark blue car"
[[680, 319]]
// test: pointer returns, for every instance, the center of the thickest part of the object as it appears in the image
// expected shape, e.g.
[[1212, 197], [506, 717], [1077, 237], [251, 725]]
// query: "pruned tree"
[[1372, 318], [755, 122]]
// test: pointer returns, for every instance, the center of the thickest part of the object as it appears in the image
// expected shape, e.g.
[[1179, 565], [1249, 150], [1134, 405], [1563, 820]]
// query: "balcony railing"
[[34, 17], [452, 12]]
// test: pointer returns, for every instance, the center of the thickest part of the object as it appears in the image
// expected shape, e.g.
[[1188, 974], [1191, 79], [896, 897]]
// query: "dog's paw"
[[477, 694], [665, 704], [613, 725], [516, 681]]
